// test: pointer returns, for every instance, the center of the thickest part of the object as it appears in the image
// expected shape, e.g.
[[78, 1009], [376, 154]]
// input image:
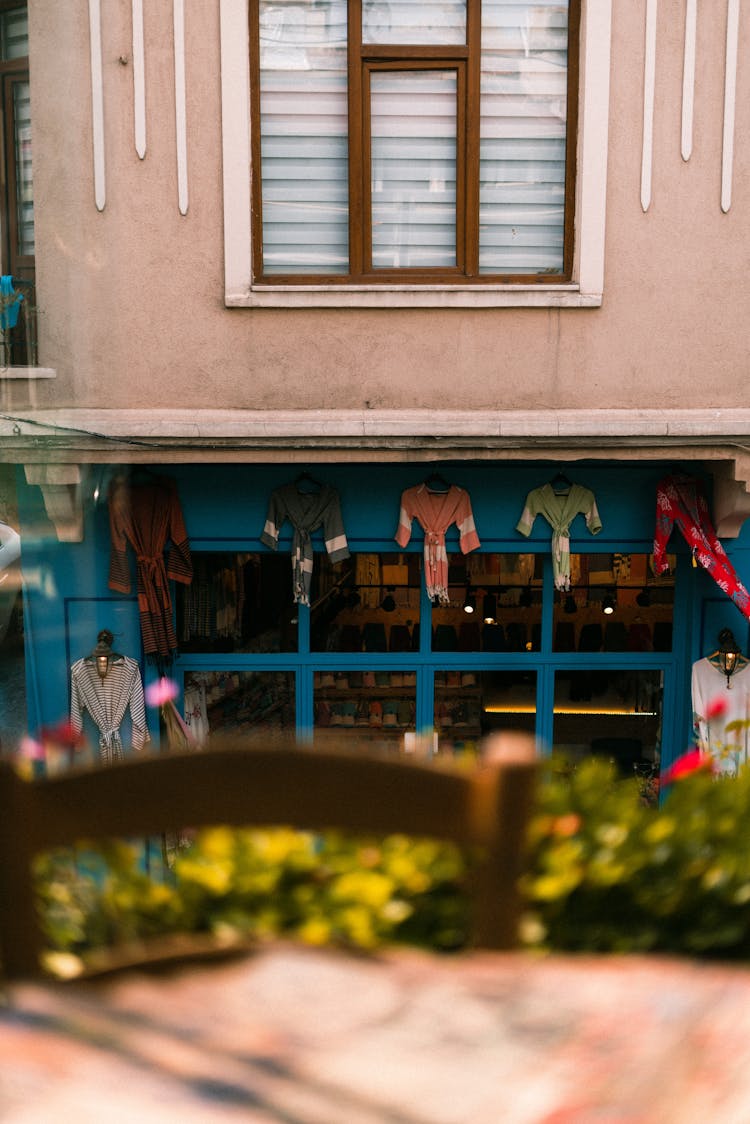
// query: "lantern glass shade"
[[729, 652]]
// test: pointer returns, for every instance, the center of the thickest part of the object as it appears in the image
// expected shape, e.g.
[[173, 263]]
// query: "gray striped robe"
[[107, 700]]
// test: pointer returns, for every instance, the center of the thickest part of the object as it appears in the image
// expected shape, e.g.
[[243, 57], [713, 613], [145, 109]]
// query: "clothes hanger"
[[560, 484], [140, 474], [306, 483], [436, 483]]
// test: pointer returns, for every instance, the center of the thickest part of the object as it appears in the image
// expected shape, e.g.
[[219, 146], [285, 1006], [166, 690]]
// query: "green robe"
[[560, 510]]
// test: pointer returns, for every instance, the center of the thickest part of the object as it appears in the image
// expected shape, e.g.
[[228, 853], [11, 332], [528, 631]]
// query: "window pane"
[[369, 603], [504, 594], [413, 125], [239, 702], [413, 21], [237, 602], [610, 714], [14, 34], [304, 162], [24, 177], [616, 604], [523, 128], [13, 720], [375, 709], [469, 705]]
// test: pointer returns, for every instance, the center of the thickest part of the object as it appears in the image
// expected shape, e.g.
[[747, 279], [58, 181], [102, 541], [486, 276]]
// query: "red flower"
[[688, 763], [716, 708], [63, 734]]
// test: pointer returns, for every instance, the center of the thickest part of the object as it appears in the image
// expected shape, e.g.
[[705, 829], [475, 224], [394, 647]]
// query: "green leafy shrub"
[[606, 872]]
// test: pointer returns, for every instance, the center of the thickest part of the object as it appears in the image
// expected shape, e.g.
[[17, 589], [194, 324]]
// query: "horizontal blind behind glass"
[[304, 158], [414, 21], [413, 175], [24, 175], [523, 136], [14, 34]]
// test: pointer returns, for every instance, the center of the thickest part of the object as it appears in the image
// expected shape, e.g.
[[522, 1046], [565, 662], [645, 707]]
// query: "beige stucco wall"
[[131, 298]]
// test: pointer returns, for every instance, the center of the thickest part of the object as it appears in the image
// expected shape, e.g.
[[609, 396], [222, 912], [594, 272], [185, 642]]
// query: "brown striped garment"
[[149, 517]]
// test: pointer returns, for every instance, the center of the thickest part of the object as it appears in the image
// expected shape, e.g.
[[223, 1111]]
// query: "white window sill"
[[414, 296], [28, 373]]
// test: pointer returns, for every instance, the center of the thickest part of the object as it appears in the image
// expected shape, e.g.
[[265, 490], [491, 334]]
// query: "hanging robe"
[[709, 686], [681, 502], [560, 511], [149, 517], [306, 511], [436, 512], [107, 700]]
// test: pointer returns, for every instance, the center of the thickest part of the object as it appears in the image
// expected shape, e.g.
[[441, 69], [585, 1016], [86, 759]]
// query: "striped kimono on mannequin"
[[107, 701], [436, 512], [306, 511], [148, 516], [680, 501]]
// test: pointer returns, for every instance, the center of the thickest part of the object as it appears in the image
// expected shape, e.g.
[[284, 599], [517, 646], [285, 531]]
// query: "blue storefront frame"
[[225, 508]]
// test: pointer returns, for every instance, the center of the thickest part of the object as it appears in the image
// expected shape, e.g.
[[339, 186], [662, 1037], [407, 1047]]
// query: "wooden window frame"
[[19, 265], [360, 211], [364, 57], [12, 71]]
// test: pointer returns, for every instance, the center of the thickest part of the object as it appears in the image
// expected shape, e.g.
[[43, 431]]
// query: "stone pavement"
[[299, 1036]]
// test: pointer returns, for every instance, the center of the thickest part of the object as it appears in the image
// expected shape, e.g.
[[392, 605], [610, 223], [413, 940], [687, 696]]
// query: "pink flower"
[[30, 749], [716, 708], [688, 763], [157, 694]]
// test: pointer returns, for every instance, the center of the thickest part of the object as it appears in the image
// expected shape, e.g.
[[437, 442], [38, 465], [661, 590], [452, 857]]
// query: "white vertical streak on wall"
[[139, 81], [688, 80], [730, 92], [649, 81], [235, 145], [179, 104], [594, 133], [97, 102]]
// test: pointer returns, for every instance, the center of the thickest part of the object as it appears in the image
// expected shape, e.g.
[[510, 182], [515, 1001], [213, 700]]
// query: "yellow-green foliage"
[[604, 872], [322, 889], [608, 873]]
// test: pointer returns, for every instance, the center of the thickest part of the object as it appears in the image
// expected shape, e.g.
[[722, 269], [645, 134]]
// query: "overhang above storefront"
[[716, 439]]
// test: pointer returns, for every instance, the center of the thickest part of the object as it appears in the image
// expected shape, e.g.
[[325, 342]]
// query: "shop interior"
[[383, 666]]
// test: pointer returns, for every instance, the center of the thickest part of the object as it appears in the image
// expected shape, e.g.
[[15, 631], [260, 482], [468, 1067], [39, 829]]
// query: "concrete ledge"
[[413, 296], [27, 373], [156, 424]]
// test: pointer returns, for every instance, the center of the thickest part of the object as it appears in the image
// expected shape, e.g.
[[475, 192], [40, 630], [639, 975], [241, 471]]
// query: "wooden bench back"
[[487, 806]]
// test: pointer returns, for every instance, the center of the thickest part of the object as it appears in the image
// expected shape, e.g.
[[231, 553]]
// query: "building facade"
[[443, 297]]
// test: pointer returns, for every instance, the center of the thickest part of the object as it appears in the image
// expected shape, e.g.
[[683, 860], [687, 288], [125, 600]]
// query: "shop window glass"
[[13, 723], [469, 705], [495, 604], [237, 602], [616, 604], [612, 714], [369, 603], [376, 709], [239, 703]]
